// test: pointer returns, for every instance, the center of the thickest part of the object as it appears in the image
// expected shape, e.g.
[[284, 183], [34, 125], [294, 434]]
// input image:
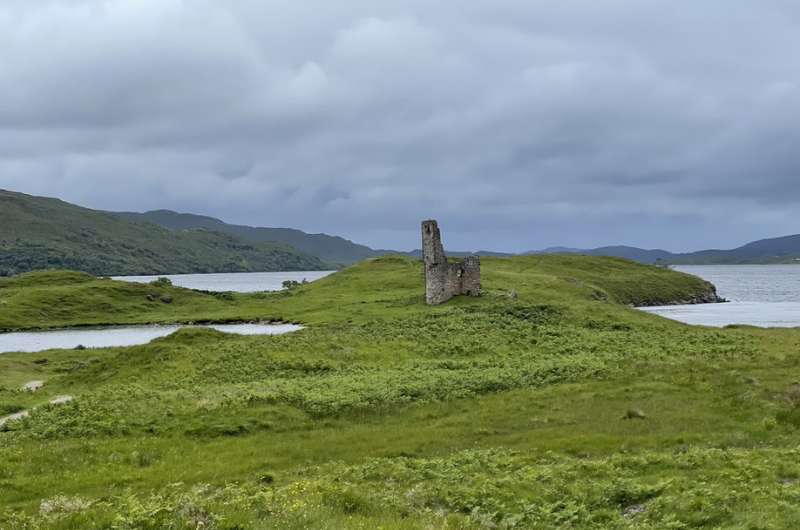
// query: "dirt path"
[[58, 400]]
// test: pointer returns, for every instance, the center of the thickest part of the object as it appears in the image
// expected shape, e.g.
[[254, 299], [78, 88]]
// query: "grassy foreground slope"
[[560, 408], [43, 233]]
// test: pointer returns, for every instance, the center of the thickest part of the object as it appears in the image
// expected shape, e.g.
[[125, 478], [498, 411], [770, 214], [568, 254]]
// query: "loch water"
[[240, 282], [759, 295], [106, 337]]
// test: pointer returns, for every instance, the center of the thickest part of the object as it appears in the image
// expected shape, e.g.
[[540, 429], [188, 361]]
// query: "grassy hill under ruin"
[[560, 408]]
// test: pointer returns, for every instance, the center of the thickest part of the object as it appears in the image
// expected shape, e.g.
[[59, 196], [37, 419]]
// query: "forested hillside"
[[43, 233], [331, 249]]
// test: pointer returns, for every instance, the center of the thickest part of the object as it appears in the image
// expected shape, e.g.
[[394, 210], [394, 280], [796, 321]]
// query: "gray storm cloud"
[[519, 124]]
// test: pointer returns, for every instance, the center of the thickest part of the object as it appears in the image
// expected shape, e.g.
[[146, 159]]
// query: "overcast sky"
[[519, 124]]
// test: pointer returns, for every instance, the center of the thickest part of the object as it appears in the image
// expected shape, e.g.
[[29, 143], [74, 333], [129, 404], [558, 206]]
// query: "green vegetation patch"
[[546, 403]]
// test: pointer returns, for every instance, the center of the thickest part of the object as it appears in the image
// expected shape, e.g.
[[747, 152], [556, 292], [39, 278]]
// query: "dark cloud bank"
[[519, 124]]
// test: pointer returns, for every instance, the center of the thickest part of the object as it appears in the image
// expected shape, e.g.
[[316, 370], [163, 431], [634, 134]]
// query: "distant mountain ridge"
[[776, 250], [417, 253], [331, 249], [44, 233], [784, 249]]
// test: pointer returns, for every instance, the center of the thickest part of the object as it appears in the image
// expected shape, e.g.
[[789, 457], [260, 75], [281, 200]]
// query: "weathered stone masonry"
[[445, 280]]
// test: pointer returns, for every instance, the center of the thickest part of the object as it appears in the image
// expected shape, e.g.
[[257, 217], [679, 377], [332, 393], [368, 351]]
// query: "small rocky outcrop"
[[32, 386], [709, 296]]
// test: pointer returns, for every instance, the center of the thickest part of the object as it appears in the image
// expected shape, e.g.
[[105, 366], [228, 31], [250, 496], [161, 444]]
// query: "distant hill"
[[784, 249], [461, 253], [43, 233], [331, 249], [765, 251]]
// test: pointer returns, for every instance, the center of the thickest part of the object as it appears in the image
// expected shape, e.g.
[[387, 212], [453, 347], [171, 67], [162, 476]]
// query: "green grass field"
[[560, 408]]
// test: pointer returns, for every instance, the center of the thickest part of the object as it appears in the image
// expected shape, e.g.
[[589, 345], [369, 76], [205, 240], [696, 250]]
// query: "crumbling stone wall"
[[445, 280]]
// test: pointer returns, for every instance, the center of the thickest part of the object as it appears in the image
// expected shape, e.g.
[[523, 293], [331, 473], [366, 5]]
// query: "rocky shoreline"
[[708, 297]]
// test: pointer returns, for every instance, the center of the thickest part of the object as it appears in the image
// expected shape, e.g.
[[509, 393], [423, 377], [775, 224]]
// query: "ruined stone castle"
[[445, 280]]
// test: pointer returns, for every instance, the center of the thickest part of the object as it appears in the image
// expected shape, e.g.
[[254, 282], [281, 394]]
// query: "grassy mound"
[[493, 412], [378, 288], [56, 299]]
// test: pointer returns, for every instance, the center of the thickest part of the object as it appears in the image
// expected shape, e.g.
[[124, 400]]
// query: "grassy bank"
[[560, 407], [59, 299]]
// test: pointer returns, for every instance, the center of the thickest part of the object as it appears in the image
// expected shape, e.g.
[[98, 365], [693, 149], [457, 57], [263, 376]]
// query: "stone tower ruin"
[[445, 280]]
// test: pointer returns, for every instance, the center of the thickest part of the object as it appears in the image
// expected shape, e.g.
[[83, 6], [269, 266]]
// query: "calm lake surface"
[[35, 341], [760, 295], [240, 282]]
